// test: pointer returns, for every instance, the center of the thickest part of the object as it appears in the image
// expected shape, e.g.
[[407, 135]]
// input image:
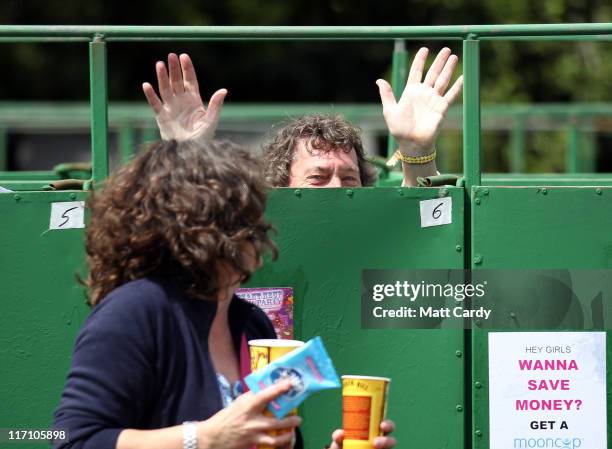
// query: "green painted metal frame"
[[471, 111], [127, 118], [98, 90], [33, 115], [471, 36], [572, 31], [127, 142]]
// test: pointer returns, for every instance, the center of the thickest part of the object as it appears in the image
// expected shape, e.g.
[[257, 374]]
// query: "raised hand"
[[180, 113], [415, 119]]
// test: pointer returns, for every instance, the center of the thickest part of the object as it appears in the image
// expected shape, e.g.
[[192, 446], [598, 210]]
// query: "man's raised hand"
[[180, 113], [414, 120]]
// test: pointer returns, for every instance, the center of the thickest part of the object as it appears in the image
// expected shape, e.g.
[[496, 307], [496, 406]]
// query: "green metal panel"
[[536, 228], [543, 227], [326, 237], [42, 307]]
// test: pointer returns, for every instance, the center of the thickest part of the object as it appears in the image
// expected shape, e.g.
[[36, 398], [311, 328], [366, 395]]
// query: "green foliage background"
[[315, 72]]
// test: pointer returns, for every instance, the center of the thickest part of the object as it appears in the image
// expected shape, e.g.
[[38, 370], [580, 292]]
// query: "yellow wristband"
[[415, 159], [419, 160]]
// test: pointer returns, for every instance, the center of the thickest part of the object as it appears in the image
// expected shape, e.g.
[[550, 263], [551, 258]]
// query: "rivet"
[[458, 353], [478, 260], [478, 433], [459, 408], [485, 191], [16, 197], [478, 323], [458, 248], [544, 190], [512, 315], [477, 200], [400, 192], [73, 196], [297, 192], [349, 193], [477, 384], [598, 191]]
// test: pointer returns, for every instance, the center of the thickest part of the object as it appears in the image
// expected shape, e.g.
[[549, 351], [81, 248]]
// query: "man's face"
[[318, 168]]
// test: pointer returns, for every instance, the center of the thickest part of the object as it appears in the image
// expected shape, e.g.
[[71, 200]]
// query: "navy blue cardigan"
[[141, 361]]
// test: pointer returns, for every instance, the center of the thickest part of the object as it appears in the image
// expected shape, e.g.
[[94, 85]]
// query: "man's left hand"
[[415, 119]]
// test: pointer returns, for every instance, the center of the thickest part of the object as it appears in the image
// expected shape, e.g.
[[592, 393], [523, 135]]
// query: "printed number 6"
[[437, 213]]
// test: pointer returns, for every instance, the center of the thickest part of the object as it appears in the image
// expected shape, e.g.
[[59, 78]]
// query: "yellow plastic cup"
[[264, 351], [364, 407]]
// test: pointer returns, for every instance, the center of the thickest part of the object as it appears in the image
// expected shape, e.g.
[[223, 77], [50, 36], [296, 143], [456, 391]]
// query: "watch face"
[[297, 383]]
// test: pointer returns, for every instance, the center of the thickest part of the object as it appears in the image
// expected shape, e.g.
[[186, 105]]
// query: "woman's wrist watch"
[[190, 435]]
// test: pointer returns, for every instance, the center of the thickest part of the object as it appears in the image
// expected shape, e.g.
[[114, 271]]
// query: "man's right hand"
[[180, 113]]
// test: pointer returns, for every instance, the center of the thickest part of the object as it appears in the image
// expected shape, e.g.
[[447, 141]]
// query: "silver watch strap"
[[190, 435]]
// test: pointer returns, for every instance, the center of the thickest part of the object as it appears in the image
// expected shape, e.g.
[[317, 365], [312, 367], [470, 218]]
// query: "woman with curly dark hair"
[[171, 237]]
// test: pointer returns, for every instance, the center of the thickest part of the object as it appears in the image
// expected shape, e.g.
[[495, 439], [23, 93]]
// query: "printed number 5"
[[67, 218], [437, 213]]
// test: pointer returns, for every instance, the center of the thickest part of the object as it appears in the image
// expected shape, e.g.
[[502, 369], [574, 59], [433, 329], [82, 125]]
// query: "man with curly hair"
[[319, 150]]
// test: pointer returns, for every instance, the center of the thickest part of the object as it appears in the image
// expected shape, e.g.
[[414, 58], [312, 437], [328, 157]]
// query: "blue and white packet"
[[309, 369]]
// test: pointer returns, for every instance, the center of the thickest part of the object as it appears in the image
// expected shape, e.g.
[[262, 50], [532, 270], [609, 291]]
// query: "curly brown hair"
[[177, 210], [321, 132]]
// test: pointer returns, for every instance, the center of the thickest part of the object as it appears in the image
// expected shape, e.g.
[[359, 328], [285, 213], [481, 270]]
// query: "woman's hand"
[[180, 113], [385, 442], [243, 425]]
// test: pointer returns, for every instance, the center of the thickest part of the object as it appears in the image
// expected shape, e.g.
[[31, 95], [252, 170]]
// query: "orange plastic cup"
[[364, 406]]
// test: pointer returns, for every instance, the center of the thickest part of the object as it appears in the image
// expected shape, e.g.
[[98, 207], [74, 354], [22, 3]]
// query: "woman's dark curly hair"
[[321, 132], [177, 210]]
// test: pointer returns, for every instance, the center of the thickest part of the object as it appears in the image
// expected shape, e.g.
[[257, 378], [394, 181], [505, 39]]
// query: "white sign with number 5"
[[436, 212], [67, 215]]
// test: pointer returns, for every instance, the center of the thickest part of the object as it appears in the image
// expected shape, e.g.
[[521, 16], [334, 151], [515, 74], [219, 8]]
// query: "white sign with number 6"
[[436, 212], [67, 215]]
